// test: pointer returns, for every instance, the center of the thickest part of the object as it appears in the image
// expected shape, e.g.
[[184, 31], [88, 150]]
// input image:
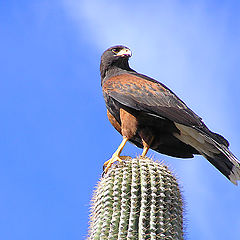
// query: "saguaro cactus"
[[137, 199]]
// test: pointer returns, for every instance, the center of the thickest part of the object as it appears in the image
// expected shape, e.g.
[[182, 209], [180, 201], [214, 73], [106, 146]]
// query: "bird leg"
[[116, 156], [145, 150], [146, 146]]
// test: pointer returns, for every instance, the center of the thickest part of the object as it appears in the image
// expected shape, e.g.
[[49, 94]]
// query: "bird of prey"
[[148, 114]]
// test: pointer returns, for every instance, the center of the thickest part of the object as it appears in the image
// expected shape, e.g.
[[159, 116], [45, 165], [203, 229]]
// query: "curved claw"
[[112, 160], [116, 156]]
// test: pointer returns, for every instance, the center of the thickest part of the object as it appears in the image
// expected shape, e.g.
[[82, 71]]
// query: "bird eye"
[[115, 50]]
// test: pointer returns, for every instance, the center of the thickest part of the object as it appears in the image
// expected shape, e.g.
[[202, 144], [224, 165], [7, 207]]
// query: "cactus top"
[[137, 199]]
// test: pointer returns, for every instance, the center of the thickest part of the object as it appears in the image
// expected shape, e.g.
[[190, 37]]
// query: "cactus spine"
[[137, 199]]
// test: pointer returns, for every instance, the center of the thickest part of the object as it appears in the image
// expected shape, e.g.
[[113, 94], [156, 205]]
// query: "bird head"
[[115, 57], [117, 52]]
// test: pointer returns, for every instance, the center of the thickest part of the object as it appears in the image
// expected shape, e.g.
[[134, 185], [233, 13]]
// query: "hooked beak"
[[125, 52]]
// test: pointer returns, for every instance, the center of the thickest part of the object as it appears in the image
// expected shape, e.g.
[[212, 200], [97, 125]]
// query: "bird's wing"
[[142, 93]]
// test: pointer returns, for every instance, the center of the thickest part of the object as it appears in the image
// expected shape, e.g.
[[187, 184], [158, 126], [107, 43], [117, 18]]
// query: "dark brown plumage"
[[150, 115]]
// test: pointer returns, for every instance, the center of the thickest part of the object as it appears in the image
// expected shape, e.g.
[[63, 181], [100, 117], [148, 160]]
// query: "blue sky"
[[55, 135]]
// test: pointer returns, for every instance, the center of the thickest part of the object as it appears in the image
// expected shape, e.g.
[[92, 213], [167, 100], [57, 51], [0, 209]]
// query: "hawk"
[[149, 115]]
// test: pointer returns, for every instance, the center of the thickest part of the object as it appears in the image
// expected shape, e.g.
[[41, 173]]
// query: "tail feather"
[[226, 167], [232, 165], [215, 150]]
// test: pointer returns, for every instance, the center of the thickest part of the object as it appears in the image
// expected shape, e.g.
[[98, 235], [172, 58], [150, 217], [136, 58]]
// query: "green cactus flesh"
[[137, 199]]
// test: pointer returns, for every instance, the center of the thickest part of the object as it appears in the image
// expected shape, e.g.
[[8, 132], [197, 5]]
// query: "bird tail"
[[214, 148]]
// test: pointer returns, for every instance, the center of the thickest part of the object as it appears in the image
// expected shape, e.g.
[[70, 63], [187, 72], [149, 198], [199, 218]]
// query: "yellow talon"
[[116, 156], [112, 160]]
